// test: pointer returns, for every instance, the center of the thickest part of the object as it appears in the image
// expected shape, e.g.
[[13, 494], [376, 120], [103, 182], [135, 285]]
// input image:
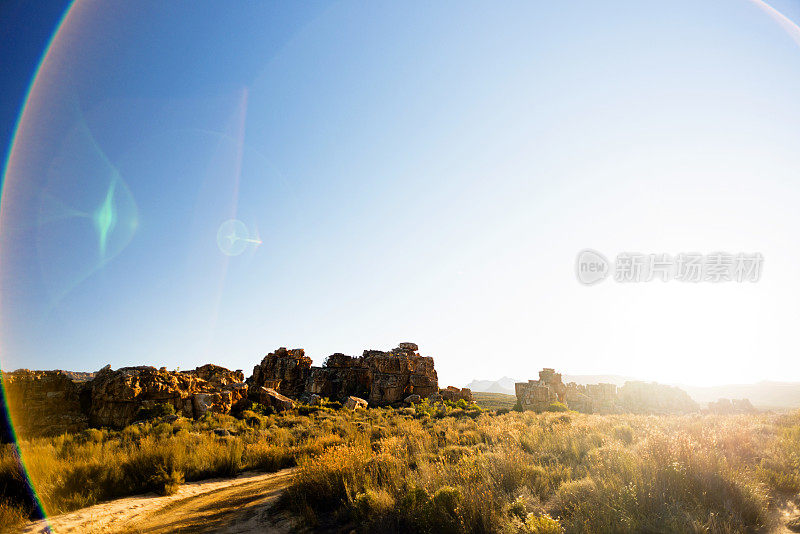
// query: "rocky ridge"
[[53, 402], [632, 397]]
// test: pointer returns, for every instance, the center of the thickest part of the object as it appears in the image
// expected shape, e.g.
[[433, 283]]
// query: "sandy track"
[[241, 504]]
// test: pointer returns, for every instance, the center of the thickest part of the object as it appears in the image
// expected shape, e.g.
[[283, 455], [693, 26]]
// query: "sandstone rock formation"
[[452, 393], [285, 370], [731, 406], [398, 373], [539, 394], [636, 397], [45, 402], [117, 397], [50, 402], [339, 377], [382, 377], [270, 397], [412, 399], [651, 397], [591, 398]]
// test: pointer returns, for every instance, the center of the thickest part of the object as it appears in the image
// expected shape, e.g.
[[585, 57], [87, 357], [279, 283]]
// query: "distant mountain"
[[764, 394], [503, 385]]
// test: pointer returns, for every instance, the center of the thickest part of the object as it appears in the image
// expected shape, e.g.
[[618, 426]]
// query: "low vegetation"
[[451, 469]]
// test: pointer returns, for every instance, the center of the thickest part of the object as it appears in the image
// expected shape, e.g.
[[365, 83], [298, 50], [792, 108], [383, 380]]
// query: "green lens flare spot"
[[105, 218]]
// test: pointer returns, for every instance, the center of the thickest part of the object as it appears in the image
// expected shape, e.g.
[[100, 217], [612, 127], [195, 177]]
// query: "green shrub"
[[624, 433], [541, 524], [557, 407], [159, 410]]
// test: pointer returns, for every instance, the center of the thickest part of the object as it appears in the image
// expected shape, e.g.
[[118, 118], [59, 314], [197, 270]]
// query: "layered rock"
[[339, 377], [636, 397], [118, 397], [731, 406], [603, 397], [383, 378], [539, 394], [285, 370], [45, 402], [216, 375], [401, 372], [48, 402], [271, 398], [651, 397], [452, 393]]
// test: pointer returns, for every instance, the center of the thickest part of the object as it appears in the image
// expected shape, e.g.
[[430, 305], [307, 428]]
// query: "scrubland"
[[452, 469]]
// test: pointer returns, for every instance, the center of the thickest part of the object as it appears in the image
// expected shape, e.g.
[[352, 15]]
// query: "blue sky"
[[414, 172]]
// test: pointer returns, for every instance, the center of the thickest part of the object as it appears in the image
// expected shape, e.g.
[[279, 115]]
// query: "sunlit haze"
[[205, 185]]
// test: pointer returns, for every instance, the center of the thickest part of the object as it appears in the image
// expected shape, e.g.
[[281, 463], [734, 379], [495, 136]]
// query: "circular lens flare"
[[233, 238]]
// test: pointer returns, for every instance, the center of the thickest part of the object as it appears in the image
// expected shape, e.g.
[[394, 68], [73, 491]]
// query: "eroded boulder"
[[270, 397], [353, 403], [452, 393]]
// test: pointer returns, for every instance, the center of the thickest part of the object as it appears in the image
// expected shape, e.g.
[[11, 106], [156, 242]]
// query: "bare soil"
[[236, 505]]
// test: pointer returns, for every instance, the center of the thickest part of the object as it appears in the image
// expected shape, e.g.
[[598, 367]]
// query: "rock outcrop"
[[118, 396], [401, 372], [50, 402], [452, 393], [340, 376], [285, 370], [651, 397], [383, 378], [45, 402], [538, 395], [635, 397], [731, 406]]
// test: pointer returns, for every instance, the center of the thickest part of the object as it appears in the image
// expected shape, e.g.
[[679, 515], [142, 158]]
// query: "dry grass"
[[556, 473], [445, 470]]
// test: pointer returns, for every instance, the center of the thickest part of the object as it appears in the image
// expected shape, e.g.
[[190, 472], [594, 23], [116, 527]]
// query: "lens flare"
[[105, 218], [233, 238], [6, 410]]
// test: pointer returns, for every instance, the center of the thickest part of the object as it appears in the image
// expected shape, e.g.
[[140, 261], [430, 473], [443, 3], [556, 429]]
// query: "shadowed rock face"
[[381, 377], [45, 402], [285, 370], [339, 377]]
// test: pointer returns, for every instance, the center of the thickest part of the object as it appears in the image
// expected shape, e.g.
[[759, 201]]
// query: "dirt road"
[[237, 505]]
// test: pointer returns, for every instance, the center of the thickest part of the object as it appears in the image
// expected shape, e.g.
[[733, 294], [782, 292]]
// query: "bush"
[[557, 407], [12, 517], [624, 433], [541, 524], [384, 470], [159, 410]]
